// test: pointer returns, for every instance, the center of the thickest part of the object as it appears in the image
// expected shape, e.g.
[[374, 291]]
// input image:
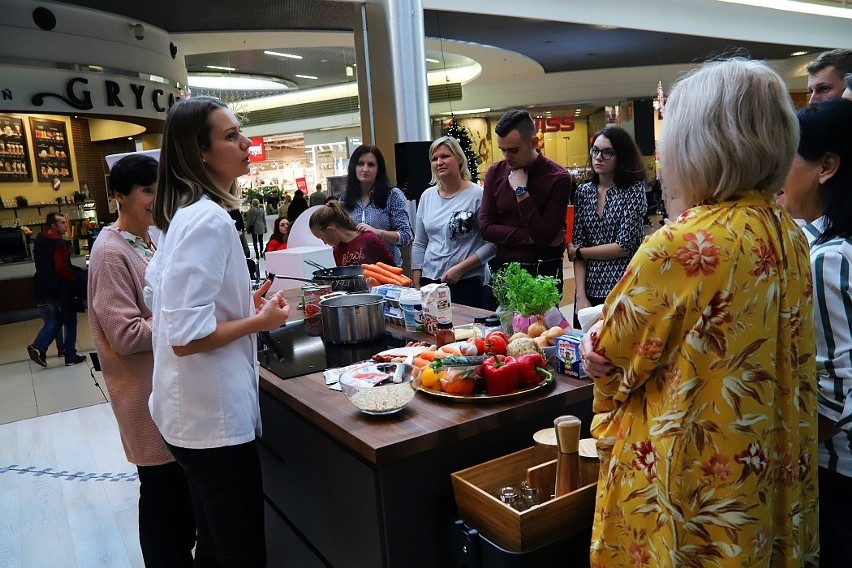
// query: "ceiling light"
[[800, 7], [221, 68], [279, 54], [430, 60], [235, 82], [306, 76], [797, 53], [469, 111]]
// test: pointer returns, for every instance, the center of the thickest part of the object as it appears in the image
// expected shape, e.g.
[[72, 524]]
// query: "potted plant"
[[21, 201], [529, 299]]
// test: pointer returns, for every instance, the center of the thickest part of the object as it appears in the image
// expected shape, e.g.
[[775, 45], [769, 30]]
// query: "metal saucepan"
[[353, 318], [353, 284]]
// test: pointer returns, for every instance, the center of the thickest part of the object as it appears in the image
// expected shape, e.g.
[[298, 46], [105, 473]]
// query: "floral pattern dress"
[[707, 426]]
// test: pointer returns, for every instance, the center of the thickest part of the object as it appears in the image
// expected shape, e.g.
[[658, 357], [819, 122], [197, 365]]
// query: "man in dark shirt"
[[55, 290], [525, 200]]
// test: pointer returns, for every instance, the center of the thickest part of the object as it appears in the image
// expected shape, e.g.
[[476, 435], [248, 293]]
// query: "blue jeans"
[[55, 318], [227, 494]]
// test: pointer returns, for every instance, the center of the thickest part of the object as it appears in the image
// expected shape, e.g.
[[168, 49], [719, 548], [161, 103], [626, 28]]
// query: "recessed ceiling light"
[[220, 68], [279, 54], [306, 76], [430, 60], [796, 53], [235, 82]]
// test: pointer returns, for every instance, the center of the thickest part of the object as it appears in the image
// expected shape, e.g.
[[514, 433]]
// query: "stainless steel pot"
[[353, 318]]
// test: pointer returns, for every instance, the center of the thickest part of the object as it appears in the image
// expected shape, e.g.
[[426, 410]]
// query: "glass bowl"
[[380, 388]]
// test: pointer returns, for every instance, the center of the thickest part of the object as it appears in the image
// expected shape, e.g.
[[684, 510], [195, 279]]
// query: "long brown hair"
[[332, 213], [183, 179]]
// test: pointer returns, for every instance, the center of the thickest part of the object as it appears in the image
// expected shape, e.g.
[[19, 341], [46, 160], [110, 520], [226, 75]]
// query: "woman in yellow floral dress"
[[704, 360]]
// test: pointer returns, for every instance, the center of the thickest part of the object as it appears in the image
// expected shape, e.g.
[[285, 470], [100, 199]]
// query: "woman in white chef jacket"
[[205, 384]]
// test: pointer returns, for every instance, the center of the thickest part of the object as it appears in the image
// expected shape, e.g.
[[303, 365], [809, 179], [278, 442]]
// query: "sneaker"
[[37, 355], [74, 359]]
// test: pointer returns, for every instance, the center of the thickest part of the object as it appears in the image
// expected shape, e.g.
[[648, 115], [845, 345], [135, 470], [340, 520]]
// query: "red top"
[[366, 248], [274, 245]]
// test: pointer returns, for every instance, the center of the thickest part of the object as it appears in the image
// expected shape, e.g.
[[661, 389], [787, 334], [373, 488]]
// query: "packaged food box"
[[568, 354], [436, 305], [391, 293]]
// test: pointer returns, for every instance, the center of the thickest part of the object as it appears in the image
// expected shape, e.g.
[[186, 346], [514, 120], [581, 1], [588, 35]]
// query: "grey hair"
[[729, 125], [456, 150]]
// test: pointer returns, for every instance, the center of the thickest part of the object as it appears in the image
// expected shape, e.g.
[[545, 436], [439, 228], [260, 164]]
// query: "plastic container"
[[412, 310]]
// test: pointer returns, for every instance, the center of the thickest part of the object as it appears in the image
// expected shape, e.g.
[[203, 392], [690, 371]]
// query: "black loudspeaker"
[[643, 125], [413, 170]]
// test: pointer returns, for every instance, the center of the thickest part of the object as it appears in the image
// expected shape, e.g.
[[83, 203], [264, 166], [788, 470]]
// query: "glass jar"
[[492, 323], [479, 325], [445, 333]]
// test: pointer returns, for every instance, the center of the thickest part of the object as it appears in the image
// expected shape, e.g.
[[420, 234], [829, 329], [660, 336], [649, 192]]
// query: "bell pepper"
[[529, 365], [501, 374]]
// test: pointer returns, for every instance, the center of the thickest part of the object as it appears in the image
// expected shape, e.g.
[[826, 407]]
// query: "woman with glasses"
[[608, 217]]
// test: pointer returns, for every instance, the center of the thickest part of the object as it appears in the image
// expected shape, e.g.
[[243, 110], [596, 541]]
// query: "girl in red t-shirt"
[[333, 225]]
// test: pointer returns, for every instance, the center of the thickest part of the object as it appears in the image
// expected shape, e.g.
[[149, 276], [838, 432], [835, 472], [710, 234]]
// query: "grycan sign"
[[31, 90], [256, 151]]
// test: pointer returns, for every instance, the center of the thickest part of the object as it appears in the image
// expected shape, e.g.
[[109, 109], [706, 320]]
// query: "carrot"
[[389, 268], [405, 280], [428, 355], [420, 362], [382, 279], [388, 276]]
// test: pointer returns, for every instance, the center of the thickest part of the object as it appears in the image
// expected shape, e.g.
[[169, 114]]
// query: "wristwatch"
[[520, 190], [577, 254]]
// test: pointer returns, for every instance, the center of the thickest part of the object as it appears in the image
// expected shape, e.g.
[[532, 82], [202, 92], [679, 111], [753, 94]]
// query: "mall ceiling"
[[556, 46]]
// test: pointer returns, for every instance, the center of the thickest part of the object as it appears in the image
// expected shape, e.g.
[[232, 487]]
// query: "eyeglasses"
[[605, 154]]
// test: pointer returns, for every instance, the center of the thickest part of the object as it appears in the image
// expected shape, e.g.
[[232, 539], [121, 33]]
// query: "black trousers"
[[166, 518], [835, 519], [227, 495], [257, 241]]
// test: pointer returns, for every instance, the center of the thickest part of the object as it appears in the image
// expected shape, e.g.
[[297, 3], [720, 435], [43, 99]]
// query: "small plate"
[[403, 351], [489, 397]]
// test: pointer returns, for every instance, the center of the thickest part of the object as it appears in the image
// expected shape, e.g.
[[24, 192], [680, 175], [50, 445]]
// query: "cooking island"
[[346, 489]]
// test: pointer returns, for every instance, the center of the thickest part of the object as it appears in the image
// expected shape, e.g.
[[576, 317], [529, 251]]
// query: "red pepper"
[[501, 374], [529, 364]]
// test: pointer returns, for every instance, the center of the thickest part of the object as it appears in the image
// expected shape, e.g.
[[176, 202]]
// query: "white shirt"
[[831, 263], [197, 278]]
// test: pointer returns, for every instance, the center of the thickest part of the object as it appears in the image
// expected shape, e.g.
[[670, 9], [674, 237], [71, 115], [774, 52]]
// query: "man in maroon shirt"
[[55, 289], [525, 200]]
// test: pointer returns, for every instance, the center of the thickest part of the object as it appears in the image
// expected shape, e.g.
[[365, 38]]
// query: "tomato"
[[459, 385], [495, 343]]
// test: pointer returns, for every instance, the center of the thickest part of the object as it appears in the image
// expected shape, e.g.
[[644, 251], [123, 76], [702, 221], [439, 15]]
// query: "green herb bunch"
[[517, 290]]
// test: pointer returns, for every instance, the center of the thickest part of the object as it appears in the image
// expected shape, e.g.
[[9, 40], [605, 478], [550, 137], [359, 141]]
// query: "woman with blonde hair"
[[703, 364], [447, 244], [205, 387]]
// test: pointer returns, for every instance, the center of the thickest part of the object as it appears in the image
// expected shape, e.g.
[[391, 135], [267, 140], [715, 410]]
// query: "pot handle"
[[315, 264], [332, 295]]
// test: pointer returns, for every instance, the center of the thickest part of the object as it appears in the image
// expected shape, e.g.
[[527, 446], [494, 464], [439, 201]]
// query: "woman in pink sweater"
[[121, 330]]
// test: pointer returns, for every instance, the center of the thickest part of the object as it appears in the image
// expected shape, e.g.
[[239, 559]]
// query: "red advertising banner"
[[256, 152], [302, 184]]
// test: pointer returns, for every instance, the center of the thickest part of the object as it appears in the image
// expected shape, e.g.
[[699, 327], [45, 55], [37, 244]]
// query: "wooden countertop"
[[427, 422]]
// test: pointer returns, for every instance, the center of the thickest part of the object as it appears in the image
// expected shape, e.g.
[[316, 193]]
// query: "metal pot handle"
[[316, 264], [333, 295]]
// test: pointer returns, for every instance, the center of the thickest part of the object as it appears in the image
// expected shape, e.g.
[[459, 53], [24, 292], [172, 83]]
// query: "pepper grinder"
[[568, 458]]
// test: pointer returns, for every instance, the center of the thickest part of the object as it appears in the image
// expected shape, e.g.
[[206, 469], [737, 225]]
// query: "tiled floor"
[[28, 390]]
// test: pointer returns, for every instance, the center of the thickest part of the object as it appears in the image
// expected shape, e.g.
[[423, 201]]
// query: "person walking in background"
[[333, 226], [121, 331], [447, 244], [703, 364], [298, 206], [826, 73], [525, 200], [239, 224], [55, 284], [204, 399], [280, 233], [284, 206], [609, 213], [318, 197], [256, 225], [375, 206], [819, 192]]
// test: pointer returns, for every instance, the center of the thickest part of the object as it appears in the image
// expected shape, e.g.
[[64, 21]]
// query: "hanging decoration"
[[660, 99], [462, 134]]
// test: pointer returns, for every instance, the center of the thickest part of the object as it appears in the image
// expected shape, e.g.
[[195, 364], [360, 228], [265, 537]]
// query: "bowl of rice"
[[379, 388]]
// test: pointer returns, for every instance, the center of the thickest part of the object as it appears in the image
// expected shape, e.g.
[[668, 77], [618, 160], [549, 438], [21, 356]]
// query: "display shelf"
[[72, 211]]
